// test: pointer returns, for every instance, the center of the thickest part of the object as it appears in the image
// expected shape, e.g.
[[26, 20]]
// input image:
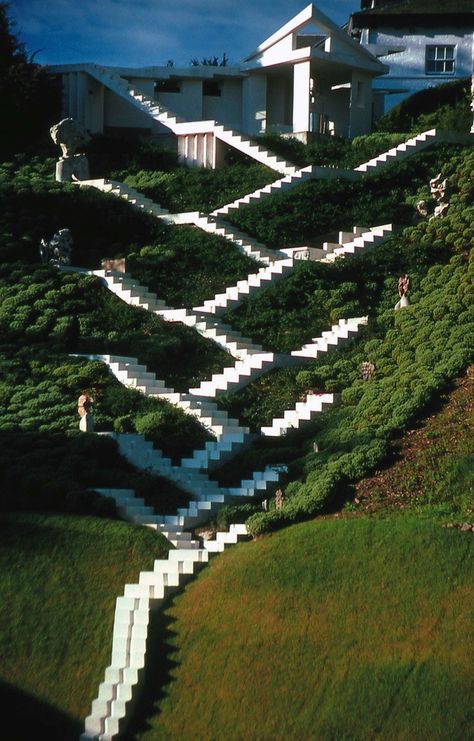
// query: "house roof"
[[423, 12], [278, 48]]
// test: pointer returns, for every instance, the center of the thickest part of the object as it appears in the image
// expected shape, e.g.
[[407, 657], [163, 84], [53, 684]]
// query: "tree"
[[30, 96], [211, 61]]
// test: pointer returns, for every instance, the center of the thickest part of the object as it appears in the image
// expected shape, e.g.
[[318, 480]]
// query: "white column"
[[301, 96]]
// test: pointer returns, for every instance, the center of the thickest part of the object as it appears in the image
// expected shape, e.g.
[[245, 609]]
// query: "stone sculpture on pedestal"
[[403, 288], [70, 136]]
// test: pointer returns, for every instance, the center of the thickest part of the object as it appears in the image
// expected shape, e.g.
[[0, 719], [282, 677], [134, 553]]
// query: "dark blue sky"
[[149, 32]]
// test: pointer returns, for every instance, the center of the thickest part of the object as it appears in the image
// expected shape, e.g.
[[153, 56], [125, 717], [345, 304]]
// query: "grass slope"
[[433, 462], [56, 614], [338, 629]]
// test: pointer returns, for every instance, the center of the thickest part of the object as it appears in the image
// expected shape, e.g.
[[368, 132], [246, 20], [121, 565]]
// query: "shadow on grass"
[[157, 676], [26, 717]]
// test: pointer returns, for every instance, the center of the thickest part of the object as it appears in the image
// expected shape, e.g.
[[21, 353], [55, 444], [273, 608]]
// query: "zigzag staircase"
[[133, 293], [230, 436], [339, 334], [301, 413], [133, 610], [288, 182], [254, 283]]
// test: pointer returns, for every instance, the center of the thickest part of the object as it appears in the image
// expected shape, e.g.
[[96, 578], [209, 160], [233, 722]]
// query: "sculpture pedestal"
[[402, 303], [86, 423], [74, 167]]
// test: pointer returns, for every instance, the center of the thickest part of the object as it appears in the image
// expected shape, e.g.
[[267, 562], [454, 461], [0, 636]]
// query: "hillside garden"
[[57, 531]]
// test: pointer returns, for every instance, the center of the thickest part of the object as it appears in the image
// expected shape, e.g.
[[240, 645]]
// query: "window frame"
[[439, 56]]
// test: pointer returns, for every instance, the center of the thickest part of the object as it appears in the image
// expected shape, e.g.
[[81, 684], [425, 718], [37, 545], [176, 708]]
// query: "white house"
[[424, 42], [309, 76]]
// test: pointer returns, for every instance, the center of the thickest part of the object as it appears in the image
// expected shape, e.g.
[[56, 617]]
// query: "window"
[[440, 60], [168, 86]]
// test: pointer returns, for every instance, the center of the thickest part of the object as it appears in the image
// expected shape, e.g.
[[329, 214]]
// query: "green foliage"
[[316, 210], [59, 580], [189, 266], [445, 106], [108, 155], [197, 189], [170, 430]]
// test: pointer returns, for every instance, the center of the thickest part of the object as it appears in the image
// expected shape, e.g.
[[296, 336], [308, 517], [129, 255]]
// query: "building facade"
[[308, 77], [424, 43]]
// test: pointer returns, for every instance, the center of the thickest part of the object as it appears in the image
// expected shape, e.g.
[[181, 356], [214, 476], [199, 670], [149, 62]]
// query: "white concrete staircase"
[[253, 149], [339, 334], [165, 116], [406, 149], [245, 244], [137, 98], [133, 293], [254, 283], [303, 411], [230, 436], [208, 496], [127, 193], [349, 244], [288, 182], [133, 610], [242, 373]]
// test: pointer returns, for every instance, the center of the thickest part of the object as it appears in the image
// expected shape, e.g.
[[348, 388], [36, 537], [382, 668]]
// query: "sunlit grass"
[[59, 578], [338, 629]]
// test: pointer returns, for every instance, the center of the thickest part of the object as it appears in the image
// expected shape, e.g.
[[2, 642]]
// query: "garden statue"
[[367, 370], [438, 189], [265, 505], [70, 136], [279, 499], [403, 288], [86, 422], [421, 210], [58, 250]]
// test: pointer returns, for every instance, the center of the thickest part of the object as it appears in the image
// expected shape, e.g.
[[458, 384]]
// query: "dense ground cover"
[[331, 629], [416, 352], [319, 208], [33, 206], [431, 463], [59, 578]]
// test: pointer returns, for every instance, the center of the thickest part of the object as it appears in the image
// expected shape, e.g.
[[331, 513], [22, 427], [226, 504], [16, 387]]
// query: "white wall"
[[407, 68], [187, 103], [226, 108]]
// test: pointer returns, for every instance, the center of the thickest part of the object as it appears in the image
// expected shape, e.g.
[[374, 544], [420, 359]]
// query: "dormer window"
[[440, 60]]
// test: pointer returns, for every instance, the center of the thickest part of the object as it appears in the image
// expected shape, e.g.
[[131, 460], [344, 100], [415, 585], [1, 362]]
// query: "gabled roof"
[[311, 16]]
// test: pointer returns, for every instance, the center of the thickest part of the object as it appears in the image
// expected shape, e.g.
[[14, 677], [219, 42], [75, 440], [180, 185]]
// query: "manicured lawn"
[[338, 629], [59, 578]]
